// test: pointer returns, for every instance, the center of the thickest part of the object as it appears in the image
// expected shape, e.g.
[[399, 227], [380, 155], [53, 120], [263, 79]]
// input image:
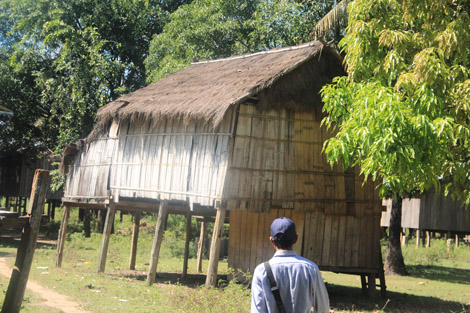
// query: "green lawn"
[[439, 280]]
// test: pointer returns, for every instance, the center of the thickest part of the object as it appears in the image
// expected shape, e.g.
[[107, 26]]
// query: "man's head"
[[283, 234]]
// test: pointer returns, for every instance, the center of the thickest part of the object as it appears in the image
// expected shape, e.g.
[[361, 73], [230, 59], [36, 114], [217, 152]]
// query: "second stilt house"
[[238, 137]]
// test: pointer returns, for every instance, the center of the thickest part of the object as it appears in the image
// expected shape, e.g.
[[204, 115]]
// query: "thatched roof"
[[205, 90]]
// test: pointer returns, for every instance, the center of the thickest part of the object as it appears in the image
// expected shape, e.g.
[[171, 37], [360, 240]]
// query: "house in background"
[[431, 212], [237, 138]]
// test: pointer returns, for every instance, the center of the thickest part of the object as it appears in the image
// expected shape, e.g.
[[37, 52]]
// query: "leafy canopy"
[[403, 112], [209, 29], [65, 58]]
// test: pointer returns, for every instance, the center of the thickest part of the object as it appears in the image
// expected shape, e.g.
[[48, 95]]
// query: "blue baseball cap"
[[283, 227]]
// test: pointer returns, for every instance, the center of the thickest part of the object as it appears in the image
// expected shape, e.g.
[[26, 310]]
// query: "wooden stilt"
[[200, 245], [135, 239], [383, 287], [108, 225], [418, 235], [211, 278], [456, 240], [186, 245], [7, 203], [371, 285], [364, 284], [86, 222], [24, 259], [62, 235], [428, 239], [157, 242], [403, 238], [53, 210]]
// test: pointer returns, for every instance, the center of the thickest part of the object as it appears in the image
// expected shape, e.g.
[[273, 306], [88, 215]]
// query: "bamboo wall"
[[333, 242], [172, 160], [431, 212], [277, 162], [278, 170]]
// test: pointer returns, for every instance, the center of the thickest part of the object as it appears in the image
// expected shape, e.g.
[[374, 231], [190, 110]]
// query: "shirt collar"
[[282, 253]]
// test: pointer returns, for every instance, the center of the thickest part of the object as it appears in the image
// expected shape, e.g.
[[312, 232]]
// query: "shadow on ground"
[[191, 280], [12, 240], [440, 273], [351, 299]]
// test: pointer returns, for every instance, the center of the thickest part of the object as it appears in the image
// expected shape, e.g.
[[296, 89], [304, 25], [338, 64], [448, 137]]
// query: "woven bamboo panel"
[[168, 160], [332, 241]]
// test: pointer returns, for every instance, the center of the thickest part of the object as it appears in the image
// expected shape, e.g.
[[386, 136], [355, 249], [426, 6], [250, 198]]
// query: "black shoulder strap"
[[274, 288]]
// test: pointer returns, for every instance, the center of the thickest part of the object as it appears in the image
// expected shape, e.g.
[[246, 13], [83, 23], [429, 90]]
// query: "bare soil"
[[51, 298]]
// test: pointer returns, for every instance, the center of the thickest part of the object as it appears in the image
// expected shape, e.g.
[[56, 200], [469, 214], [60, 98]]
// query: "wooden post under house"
[[211, 278], [108, 225], [135, 239], [157, 242], [186, 245], [200, 245], [62, 236]]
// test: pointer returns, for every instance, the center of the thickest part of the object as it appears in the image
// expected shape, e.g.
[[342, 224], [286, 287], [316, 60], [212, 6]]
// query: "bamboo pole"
[[157, 242], [186, 245], [25, 253], [108, 225], [135, 238], [200, 245], [62, 235], [211, 278]]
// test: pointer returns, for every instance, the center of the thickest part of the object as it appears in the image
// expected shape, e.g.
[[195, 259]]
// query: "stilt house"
[[240, 137], [16, 178], [431, 212]]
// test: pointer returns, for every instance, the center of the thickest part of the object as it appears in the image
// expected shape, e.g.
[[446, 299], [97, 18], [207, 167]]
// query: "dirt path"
[[51, 298]]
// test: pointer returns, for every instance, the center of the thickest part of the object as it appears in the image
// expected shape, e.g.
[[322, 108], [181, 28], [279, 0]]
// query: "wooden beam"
[[62, 235], [211, 278], [25, 252], [186, 245], [200, 245], [157, 242], [135, 238], [108, 225]]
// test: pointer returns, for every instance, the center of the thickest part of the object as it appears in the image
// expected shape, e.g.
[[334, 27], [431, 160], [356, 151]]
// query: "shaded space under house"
[[238, 139]]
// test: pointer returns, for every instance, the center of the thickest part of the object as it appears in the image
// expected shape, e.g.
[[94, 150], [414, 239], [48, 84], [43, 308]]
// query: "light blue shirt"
[[299, 281]]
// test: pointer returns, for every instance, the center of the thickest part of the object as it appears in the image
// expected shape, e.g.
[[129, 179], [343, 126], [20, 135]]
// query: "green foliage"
[[402, 113], [61, 60], [209, 29]]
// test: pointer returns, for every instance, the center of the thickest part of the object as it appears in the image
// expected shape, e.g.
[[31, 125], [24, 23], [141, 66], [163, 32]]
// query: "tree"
[[66, 58], [209, 29], [402, 114]]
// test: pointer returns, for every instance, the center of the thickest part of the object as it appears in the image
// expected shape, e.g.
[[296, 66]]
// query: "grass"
[[439, 280]]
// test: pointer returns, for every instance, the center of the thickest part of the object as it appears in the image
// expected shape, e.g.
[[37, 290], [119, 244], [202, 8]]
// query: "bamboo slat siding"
[[170, 160], [332, 241], [277, 162], [262, 163], [431, 212]]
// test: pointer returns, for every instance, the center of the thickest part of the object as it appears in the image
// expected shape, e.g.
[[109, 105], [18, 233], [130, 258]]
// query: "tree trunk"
[[394, 264]]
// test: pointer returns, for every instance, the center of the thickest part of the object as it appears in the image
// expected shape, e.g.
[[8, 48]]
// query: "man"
[[299, 280]]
